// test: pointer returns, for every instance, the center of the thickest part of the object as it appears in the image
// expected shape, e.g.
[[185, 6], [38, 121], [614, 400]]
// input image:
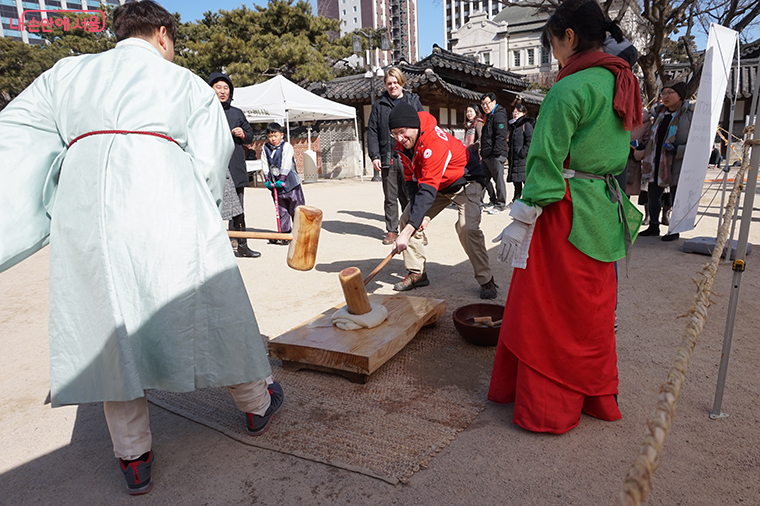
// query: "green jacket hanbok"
[[144, 288]]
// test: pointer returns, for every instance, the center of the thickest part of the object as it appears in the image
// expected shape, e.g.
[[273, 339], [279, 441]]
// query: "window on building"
[[531, 58], [545, 56], [6, 11], [516, 58], [354, 8], [344, 12], [355, 20], [487, 58]]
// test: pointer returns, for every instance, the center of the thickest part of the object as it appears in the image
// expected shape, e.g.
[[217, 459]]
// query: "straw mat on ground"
[[389, 428], [410, 408]]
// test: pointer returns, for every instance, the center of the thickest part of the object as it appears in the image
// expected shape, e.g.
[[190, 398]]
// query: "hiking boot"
[[257, 425], [244, 251], [137, 474], [412, 280], [653, 230], [390, 238], [670, 237], [488, 291]]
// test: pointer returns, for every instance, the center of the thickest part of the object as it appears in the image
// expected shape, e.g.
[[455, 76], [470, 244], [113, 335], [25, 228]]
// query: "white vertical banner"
[[721, 46]]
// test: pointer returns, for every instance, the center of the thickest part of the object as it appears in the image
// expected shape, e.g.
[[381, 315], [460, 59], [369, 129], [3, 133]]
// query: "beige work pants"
[[467, 200], [129, 424]]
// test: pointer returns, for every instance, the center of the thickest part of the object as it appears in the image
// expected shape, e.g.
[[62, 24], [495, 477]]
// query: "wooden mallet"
[[354, 289], [357, 300], [304, 239]]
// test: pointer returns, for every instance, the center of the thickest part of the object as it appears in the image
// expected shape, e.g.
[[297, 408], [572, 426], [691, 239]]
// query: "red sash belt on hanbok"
[[100, 132]]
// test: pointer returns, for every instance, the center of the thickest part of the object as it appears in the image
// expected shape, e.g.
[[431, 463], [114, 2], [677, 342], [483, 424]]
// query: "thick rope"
[[637, 482]]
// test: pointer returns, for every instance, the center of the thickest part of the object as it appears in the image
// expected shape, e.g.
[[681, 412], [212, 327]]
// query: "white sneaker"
[[494, 210]]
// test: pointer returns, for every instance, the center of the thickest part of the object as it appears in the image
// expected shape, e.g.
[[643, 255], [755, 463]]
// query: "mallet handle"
[[258, 235], [380, 267]]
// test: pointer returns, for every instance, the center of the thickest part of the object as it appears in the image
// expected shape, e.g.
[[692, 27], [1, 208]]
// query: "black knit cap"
[[403, 115], [677, 86]]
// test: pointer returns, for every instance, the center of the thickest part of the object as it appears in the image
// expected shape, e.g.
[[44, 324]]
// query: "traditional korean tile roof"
[[747, 75], [749, 58], [520, 18], [442, 72], [531, 97], [443, 59]]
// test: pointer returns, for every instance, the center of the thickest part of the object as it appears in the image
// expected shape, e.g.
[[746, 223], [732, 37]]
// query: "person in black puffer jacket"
[[242, 133], [520, 135]]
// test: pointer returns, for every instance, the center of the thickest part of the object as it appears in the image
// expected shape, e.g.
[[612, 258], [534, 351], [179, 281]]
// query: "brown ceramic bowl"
[[476, 334]]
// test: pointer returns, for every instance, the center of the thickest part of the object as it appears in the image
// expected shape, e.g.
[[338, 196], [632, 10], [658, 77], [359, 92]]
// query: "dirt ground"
[[63, 455]]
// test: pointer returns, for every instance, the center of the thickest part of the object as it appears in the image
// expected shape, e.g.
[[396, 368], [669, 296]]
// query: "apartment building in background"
[[399, 17], [12, 10]]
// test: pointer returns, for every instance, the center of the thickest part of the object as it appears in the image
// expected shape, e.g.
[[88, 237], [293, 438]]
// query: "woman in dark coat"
[[520, 135], [237, 173]]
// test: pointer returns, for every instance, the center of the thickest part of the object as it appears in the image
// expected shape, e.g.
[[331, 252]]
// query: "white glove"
[[510, 238]]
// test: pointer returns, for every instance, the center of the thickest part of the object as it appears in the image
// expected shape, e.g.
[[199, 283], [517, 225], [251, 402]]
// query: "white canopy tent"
[[279, 99]]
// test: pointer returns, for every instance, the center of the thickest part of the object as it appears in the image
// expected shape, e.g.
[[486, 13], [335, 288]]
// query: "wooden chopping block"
[[304, 240]]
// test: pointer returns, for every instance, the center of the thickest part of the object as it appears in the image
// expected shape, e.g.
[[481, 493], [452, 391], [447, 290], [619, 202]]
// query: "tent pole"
[[739, 264], [287, 124]]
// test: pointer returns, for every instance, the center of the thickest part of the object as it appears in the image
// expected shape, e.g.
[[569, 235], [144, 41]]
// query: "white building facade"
[[457, 13], [511, 40]]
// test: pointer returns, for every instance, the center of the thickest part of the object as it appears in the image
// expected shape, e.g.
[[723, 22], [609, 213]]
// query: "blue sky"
[[431, 30], [431, 11]]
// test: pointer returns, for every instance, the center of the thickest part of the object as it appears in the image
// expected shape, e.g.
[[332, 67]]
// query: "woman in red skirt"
[[556, 353]]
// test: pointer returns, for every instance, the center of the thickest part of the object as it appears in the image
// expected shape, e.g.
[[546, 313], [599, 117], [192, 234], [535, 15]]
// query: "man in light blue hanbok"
[[105, 156]]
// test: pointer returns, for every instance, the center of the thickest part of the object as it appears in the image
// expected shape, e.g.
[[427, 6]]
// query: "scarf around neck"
[[627, 100]]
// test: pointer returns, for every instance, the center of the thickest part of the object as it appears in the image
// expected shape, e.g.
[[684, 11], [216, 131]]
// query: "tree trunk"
[[649, 71]]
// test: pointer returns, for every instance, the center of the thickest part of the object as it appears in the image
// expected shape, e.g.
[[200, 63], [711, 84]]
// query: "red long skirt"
[[556, 353]]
